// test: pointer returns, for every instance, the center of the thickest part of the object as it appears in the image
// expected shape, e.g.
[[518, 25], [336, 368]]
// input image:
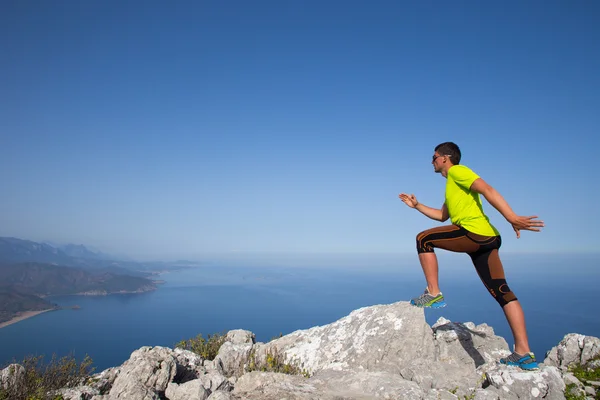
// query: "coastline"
[[23, 315]]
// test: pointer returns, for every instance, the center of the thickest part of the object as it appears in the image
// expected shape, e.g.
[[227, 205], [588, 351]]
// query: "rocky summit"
[[377, 352]]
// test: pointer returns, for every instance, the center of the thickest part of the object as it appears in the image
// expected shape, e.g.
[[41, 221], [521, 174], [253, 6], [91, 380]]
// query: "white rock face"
[[378, 352], [378, 338], [12, 376], [573, 348]]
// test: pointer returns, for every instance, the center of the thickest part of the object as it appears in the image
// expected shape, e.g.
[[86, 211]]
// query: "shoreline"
[[22, 316]]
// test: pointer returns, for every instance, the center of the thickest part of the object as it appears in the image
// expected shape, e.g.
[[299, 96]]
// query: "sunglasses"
[[436, 157]]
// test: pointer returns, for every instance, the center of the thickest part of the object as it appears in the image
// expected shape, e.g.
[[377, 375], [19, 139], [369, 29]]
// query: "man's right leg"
[[450, 237]]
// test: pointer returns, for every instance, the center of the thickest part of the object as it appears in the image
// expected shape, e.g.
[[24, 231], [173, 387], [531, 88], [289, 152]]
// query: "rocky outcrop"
[[12, 376], [378, 352]]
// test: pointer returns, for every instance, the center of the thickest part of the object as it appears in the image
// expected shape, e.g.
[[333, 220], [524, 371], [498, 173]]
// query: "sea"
[[271, 298]]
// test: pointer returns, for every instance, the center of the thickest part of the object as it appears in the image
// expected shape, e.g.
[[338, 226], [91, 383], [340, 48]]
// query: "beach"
[[21, 316]]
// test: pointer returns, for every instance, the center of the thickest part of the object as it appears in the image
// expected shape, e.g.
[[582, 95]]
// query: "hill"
[[24, 286], [13, 303], [51, 280], [31, 271]]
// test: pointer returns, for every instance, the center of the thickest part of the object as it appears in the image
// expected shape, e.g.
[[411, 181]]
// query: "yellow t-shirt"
[[464, 205]]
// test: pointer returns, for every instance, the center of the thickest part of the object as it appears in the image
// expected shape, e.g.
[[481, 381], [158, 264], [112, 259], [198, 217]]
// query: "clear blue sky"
[[179, 129]]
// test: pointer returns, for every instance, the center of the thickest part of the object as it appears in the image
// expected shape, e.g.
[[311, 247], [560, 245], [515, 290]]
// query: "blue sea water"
[[557, 293]]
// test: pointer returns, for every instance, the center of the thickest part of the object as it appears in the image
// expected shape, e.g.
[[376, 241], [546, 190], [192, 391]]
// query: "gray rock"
[[12, 377], [467, 345], [569, 378], [514, 383], [274, 386], [187, 391], [215, 365], [107, 377], [590, 391], [78, 393], [488, 394], [366, 384], [145, 375], [436, 394], [233, 358], [220, 396], [189, 365], [240, 336], [377, 338], [573, 349], [214, 381]]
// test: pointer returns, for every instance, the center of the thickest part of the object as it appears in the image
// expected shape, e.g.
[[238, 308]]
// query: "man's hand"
[[531, 223], [409, 199]]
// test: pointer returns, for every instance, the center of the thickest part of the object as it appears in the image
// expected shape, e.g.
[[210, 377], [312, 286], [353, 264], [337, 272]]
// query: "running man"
[[472, 233]]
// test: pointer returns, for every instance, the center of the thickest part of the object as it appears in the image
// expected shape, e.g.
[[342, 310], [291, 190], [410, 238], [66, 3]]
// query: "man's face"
[[437, 162]]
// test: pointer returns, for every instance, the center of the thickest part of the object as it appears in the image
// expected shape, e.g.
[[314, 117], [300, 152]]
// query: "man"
[[471, 233]]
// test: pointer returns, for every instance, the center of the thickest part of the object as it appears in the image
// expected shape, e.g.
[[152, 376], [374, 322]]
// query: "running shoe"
[[427, 300], [526, 362]]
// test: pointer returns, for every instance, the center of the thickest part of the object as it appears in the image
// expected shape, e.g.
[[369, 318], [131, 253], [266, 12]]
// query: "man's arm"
[[529, 223], [433, 213]]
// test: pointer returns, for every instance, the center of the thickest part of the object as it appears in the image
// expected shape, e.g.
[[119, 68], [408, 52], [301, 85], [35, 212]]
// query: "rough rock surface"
[[377, 352], [574, 348], [12, 376]]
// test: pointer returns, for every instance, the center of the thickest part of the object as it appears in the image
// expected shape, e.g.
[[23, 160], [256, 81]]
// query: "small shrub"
[[207, 348], [586, 372], [572, 392], [275, 362], [42, 379]]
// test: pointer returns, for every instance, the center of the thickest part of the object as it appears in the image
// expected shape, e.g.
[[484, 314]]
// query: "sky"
[[164, 130]]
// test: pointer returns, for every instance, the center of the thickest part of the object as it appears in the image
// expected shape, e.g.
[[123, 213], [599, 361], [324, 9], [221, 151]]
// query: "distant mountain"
[[50, 280], [30, 271], [14, 250], [80, 251]]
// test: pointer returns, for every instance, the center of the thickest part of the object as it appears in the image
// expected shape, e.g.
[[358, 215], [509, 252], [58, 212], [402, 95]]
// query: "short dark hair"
[[449, 149]]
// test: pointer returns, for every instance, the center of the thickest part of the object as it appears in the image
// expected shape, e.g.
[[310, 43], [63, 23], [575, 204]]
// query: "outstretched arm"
[[433, 213], [528, 223]]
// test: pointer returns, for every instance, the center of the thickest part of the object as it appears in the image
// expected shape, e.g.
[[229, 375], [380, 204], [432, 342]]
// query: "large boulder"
[[12, 377], [192, 389], [547, 383], [573, 349], [383, 338], [235, 351], [146, 375]]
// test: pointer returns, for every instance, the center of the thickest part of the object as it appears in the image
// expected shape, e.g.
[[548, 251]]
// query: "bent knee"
[[423, 244], [501, 292]]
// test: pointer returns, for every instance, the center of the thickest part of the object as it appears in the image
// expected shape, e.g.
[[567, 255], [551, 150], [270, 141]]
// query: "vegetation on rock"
[[42, 380], [207, 348], [585, 373], [275, 362]]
